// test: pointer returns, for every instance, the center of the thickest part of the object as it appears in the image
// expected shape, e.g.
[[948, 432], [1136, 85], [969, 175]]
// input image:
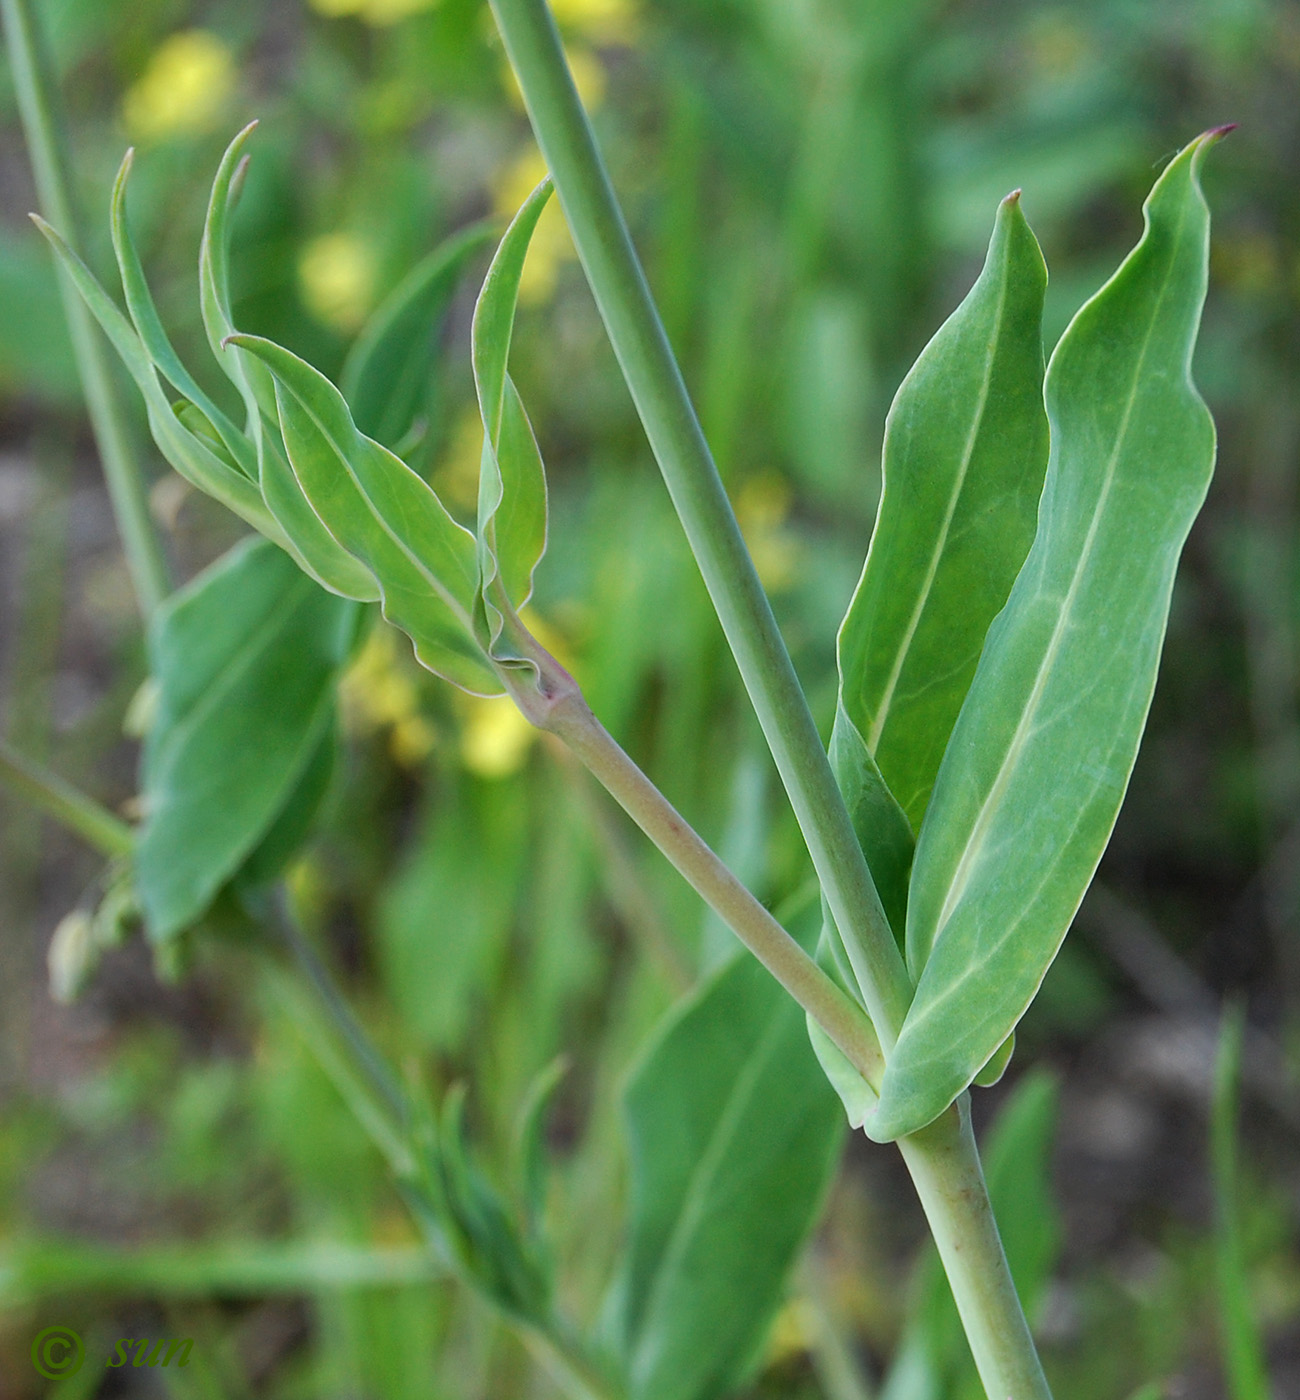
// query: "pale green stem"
[[648, 365], [945, 1168], [943, 1158], [144, 554], [63, 802], [553, 702]]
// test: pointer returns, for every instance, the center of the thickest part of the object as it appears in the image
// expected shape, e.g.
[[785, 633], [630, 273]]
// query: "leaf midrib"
[[882, 713], [435, 584], [979, 831]]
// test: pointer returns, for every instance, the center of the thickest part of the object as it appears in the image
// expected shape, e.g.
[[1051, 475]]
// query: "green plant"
[[996, 667]]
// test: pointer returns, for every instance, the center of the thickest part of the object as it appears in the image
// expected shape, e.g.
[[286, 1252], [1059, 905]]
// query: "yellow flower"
[[183, 90], [376, 12], [762, 507], [456, 477], [602, 21], [378, 692], [495, 738], [336, 272], [551, 245]]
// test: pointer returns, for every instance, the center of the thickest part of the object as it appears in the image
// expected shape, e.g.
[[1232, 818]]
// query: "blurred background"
[[811, 184]]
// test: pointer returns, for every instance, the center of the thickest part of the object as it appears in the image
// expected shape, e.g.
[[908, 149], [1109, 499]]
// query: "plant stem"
[[945, 1168], [942, 1158], [555, 704], [126, 489], [65, 804], [670, 422]]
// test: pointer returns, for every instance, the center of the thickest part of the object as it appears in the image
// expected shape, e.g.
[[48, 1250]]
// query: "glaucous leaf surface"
[[157, 343], [734, 1135], [385, 516], [1041, 754], [308, 540], [191, 455], [389, 373], [512, 480], [245, 658], [964, 454]]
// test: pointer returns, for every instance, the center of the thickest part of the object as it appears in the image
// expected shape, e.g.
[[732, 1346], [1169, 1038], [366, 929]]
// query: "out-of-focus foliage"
[[811, 185]]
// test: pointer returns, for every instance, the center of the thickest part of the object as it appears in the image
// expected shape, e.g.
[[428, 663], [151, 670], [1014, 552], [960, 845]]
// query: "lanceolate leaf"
[[964, 455], [389, 371], [512, 481], [189, 454], [157, 343], [246, 659], [385, 516], [310, 543], [1041, 754], [734, 1136]]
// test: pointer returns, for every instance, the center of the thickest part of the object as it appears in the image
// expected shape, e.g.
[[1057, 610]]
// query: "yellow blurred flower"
[[495, 738], [456, 477], [551, 246], [793, 1331], [379, 692], [336, 272], [378, 12], [602, 21], [762, 508], [183, 90]]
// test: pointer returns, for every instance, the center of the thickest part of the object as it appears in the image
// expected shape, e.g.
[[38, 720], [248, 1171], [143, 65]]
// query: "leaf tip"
[[1013, 198]]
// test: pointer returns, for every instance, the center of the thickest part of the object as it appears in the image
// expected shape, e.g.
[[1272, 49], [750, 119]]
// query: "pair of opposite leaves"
[[998, 659]]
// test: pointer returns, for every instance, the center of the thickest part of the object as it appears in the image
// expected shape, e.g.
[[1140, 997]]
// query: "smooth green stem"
[[65, 803], [945, 1168], [641, 345], [144, 553], [335, 1007], [555, 703]]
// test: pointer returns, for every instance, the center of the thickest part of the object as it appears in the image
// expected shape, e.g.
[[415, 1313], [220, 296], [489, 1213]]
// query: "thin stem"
[[945, 1168], [144, 554], [65, 804], [554, 702], [334, 1005], [648, 365], [631, 900]]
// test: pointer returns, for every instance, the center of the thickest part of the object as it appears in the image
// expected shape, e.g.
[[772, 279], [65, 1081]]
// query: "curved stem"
[[126, 489], [945, 1167], [553, 702], [79, 813], [670, 422]]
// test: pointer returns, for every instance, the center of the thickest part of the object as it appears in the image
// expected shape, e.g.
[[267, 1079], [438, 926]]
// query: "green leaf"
[[389, 372], [512, 480], [157, 343], [189, 454], [964, 455], [308, 540], [734, 1135], [385, 516], [246, 658], [880, 823], [1040, 757]]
